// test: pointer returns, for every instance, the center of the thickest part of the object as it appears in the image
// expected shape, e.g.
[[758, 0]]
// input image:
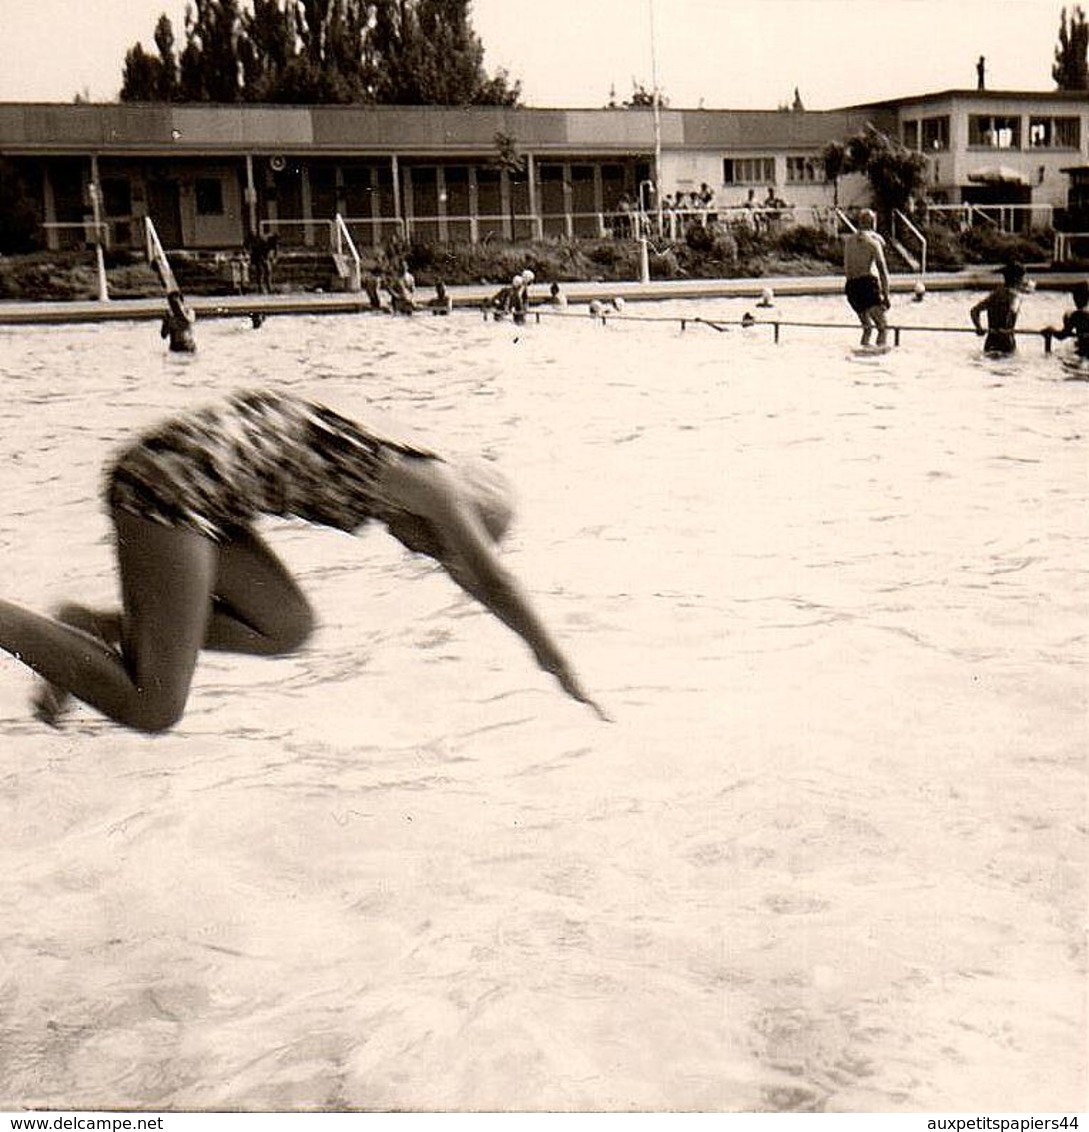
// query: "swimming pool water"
[[831, 854]]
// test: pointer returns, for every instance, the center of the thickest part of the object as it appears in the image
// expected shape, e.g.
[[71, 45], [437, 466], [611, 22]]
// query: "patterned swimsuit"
[[260, 453]]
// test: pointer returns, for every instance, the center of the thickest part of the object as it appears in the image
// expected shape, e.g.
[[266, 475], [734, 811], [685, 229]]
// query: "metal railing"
[[1004, 217], [1063, 246], [343, 239], [898, 217]]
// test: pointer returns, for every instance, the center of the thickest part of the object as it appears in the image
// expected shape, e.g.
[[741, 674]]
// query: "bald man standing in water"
[[867, 274]]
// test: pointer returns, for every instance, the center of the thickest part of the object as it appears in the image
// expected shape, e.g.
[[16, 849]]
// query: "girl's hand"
[[571, 684]]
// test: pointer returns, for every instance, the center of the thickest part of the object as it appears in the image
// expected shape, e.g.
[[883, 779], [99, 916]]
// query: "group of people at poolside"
[[994, 317]]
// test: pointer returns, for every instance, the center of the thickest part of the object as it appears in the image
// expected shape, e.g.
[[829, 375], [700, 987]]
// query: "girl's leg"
[[167, 578], [257, 608]]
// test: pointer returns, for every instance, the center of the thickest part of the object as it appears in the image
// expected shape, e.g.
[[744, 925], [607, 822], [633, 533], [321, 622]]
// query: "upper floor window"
[[994, 131], [911, 134], [804, 171], [748, 171], [935, 133], [1055, 133]]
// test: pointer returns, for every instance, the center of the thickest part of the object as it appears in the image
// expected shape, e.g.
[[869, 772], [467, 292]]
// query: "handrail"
[[898, 215], [342, 236], [1061, 245], [157, 256]]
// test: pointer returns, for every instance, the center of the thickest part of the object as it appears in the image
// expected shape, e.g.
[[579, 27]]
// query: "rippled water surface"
[[831, 854]]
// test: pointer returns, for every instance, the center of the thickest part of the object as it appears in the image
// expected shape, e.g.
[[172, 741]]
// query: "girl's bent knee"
[[295, 629], [156, 715]]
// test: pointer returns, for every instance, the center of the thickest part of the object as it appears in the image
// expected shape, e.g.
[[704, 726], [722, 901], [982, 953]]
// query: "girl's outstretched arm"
[[431, 490]]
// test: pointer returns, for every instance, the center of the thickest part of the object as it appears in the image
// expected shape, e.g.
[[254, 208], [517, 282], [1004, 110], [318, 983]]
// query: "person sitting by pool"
[[1076, 322], [195, 574], [401, 287], [1001, 307], [867, 286], [177, 324], [556, 298]]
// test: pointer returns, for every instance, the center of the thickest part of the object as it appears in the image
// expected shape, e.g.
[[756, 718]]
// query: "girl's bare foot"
[[50, 703]]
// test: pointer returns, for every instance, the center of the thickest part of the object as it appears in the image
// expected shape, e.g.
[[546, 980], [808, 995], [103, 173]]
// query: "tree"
[[642, 98], [412, 52], [1071, 68], [147, 78], [210, 67], [834, 159], [168, 61], [140, 76], [896, 173]]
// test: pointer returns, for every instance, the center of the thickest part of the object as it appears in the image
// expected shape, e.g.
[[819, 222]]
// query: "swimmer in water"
[[194, 573], [177, 324], [1001, 307]]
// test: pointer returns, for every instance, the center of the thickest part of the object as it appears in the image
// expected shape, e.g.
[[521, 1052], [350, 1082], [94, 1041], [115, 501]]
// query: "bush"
[[810, 243], [943, 248], [986, 244]]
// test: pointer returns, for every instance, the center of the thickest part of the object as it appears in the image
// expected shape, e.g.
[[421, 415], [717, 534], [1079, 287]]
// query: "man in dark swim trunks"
[[867, 287], [1001, 307]]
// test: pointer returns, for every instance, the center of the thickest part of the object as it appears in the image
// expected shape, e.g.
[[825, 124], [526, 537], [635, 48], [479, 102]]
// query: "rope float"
[[723, 326]]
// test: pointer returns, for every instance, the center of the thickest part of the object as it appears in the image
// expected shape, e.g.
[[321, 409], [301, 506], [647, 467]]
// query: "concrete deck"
[[233, 306]]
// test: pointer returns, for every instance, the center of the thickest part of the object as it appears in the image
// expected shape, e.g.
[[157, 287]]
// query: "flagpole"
[[657, 103]]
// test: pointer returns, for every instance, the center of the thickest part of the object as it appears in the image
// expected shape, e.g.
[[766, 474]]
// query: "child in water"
[[1001, 306], [195, 574], [177, 324]]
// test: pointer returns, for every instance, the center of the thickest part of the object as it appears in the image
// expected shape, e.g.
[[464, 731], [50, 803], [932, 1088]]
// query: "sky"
[[738, 54]]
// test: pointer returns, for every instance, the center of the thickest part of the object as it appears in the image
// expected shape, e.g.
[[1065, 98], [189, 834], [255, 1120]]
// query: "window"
[[804, 171], [1055, 133], [748, 171], [209, 192], [911, 134], [994, 131], [935, 133]]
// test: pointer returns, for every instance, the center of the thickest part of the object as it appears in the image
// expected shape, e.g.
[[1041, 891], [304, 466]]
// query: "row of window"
[[996, 131], [761, 171]]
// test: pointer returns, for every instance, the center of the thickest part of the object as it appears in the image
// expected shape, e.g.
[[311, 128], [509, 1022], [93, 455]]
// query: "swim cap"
[[528, 276], [490, 493], [516, 281], [618, 304]]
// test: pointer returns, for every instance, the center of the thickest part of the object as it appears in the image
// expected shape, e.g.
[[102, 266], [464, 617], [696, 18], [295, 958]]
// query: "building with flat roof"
[[208, 175]]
